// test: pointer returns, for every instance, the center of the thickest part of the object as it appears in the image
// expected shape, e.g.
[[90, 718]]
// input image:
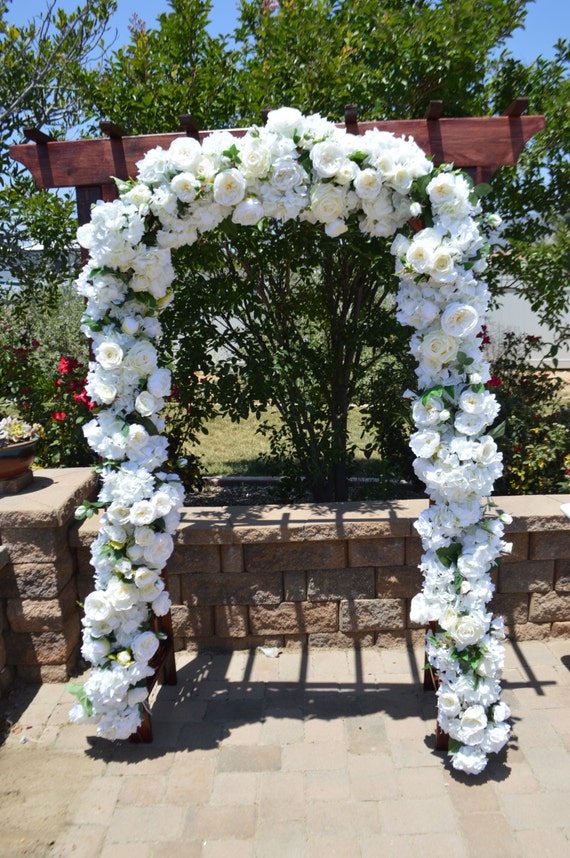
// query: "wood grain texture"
[[474, 142]]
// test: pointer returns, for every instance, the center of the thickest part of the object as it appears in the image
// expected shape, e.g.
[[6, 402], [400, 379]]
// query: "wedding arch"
[[367, 177]]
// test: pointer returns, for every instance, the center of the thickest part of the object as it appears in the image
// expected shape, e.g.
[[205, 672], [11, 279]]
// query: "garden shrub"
[[43, 365], [536, 439]]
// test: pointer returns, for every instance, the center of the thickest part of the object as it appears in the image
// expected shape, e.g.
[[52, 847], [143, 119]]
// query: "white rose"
[[459, 320], [159, 383], [327, 202], [471, 402], [468, 630], [95, 650], [229, 187], [368, 184], [116, 535], [255, 156], [138, 195], [485, 451], [496, 737], [500, 712], [144, 646], [248, 212], [286, 174], [419, 255], [438, 348], [327, 157], [441, 189], [336, 227], [400, 245], [130, 326], [284, 121], [142, 358], [146, 404], [163, 502], [145, 576], [161, 605], [472, 725], [425, 444], [109, 355], [184, 154], [346, 173], [185, 186], [144, 535], [469, 424], [142, 512], [159, 551], [448, 703], [472, 761], [151, 591], [443, 266], [97, 606]]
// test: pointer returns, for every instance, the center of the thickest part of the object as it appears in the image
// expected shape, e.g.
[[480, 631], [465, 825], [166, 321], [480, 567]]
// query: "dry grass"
[[234, 448]]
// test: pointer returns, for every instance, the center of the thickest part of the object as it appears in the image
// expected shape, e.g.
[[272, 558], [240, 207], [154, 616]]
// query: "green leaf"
[[79, 692], [483, 190], [433, 391], [453, 746], [498, 431]]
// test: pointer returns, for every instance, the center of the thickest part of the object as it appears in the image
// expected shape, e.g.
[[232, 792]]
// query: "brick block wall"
[[335, 575], [342, 574], [40, 624]]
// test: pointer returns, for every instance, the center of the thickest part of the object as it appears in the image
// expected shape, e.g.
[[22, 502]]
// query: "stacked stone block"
[[337, 575], [39, 614], [344, 575]]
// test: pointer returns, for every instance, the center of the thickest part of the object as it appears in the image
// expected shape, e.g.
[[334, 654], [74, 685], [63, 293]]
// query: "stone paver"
[[301, 756]]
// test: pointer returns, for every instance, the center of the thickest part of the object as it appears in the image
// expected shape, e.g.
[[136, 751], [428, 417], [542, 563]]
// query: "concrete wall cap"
[[50, 500]]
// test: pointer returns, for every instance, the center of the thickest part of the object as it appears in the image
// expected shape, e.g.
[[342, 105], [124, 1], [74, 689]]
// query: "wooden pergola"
[[478, 145]]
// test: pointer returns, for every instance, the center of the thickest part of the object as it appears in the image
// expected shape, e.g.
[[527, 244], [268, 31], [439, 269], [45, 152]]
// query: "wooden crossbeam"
[[517, 107], [188, 124], [115, 132], [351, 118], [471, 142], [435, 109], [36, 136]]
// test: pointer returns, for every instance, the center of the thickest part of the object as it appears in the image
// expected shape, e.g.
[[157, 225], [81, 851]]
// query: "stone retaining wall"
[[320, 575]]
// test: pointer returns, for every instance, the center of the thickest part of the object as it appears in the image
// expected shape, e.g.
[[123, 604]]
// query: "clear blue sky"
[[547, 21]]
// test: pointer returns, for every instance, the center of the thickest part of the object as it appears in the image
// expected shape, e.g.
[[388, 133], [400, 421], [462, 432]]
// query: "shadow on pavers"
[[205, 707]]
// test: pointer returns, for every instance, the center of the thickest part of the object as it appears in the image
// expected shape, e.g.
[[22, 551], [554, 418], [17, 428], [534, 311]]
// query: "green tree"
[[162, 73], [533, 196], [301, 338], [40, 66]]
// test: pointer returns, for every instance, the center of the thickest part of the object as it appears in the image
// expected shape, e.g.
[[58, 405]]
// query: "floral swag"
[[306, 168]]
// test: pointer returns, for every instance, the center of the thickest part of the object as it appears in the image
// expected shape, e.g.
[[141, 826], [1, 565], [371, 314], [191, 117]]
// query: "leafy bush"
[[536, 441], [43, 364]]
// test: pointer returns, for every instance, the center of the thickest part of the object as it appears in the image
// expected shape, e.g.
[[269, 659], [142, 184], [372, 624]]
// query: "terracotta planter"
[[17, 458]]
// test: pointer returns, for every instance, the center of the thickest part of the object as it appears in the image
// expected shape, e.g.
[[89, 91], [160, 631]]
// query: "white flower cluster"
[[295, 167], [458, 460]]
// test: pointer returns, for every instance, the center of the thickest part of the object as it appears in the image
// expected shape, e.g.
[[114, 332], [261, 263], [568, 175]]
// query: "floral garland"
[[306, 168]]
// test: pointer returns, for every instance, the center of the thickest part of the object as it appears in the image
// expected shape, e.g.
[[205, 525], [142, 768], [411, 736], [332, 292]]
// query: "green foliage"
[[536, 441], [389, 58], [283, 316], [43, 360], [280, 317], [40, 72], [165, 72], [533, 196]]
